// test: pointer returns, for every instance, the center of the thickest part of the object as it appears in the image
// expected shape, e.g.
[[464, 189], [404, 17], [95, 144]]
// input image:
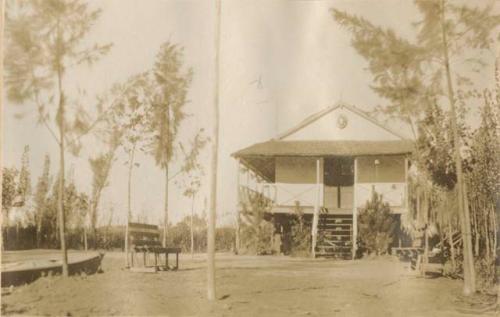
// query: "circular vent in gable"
[[341, 121]]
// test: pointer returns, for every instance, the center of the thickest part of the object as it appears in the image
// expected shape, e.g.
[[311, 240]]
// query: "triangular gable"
[[340, 122]]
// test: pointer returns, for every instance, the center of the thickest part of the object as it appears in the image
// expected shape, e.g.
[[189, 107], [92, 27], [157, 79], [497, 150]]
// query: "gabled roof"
[[275, 148], [314, 117]]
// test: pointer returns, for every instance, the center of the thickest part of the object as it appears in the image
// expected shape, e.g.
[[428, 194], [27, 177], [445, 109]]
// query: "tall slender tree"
[[2, 27], [193, 172], [40, 199], [415, 75], [124, 126], [112, 135], [45, 39], [23, 190], [9, 188], [446, 30], [171, 82]]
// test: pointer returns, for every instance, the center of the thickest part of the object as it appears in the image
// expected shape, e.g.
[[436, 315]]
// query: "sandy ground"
[[246, 286]]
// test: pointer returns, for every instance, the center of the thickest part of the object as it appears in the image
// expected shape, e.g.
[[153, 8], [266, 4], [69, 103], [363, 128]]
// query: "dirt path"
[[247, 286]]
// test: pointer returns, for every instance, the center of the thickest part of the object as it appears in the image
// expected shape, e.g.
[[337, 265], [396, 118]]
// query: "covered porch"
[[337, 177], [328, 181]]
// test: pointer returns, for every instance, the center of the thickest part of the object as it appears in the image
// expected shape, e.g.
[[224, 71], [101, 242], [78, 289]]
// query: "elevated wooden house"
[[329, 165]]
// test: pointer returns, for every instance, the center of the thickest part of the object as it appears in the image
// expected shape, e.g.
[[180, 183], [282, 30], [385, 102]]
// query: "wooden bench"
[[145, 238]]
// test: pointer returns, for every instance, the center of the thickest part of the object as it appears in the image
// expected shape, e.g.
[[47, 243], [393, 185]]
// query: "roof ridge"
[[317, 115], [308, 120]]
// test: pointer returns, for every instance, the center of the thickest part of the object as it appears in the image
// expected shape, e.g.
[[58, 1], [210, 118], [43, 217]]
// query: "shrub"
[[225, 238], [256, 231], [300, 234], [376, 226]]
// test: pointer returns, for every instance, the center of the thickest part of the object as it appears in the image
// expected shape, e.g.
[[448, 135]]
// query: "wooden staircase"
[[334, 236]]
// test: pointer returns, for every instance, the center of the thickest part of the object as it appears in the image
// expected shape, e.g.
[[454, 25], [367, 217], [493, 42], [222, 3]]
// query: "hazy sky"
[[280, 61]]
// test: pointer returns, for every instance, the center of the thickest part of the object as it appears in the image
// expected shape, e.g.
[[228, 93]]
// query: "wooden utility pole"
[[213, 182]]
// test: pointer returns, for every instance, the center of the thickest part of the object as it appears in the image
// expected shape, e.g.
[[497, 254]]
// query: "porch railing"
[[287, 194]]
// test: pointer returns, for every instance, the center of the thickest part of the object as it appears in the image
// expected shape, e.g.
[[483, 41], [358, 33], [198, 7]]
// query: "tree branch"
[[101, 116]]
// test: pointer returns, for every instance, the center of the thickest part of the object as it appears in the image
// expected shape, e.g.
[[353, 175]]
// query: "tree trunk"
[[97, 195], [129, 205], [93, 224], [165, 219], [426, 231], [475, 222], [493, 231], [211, 292], [60, 196], [2, 6], [85, 245], [38, 231], [486, 214], [17, 236], [463, 210], [419, 212], [93, 216], [450, 241], [191, 226]]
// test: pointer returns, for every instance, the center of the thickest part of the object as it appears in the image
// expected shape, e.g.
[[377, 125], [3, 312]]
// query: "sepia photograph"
[[250, 158]]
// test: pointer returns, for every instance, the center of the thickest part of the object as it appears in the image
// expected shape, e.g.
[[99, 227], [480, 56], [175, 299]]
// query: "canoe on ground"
[[21, 272]]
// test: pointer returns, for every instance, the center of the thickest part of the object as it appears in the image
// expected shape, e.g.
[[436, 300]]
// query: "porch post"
[[406, 202], [316, 210], [238, 206], [354, 212]]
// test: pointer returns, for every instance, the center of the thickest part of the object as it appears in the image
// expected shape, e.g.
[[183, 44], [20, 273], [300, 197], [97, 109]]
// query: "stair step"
[[333, 229], [335, 221], [343, 256], [346, 226], [341, 243], [334, 244], [334, 225], [335, 232], [338, 239], [336, 216], [333, 247], [334, 239]]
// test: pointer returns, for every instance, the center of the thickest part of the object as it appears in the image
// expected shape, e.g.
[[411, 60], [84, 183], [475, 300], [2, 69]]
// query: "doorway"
[[338, 179]]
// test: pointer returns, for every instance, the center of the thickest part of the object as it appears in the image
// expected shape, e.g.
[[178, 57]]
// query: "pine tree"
[[167, 111], [24, 184], [414, 76], [41, 193], [376, 225], [45, 39], [126, 126], [9, 189]]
